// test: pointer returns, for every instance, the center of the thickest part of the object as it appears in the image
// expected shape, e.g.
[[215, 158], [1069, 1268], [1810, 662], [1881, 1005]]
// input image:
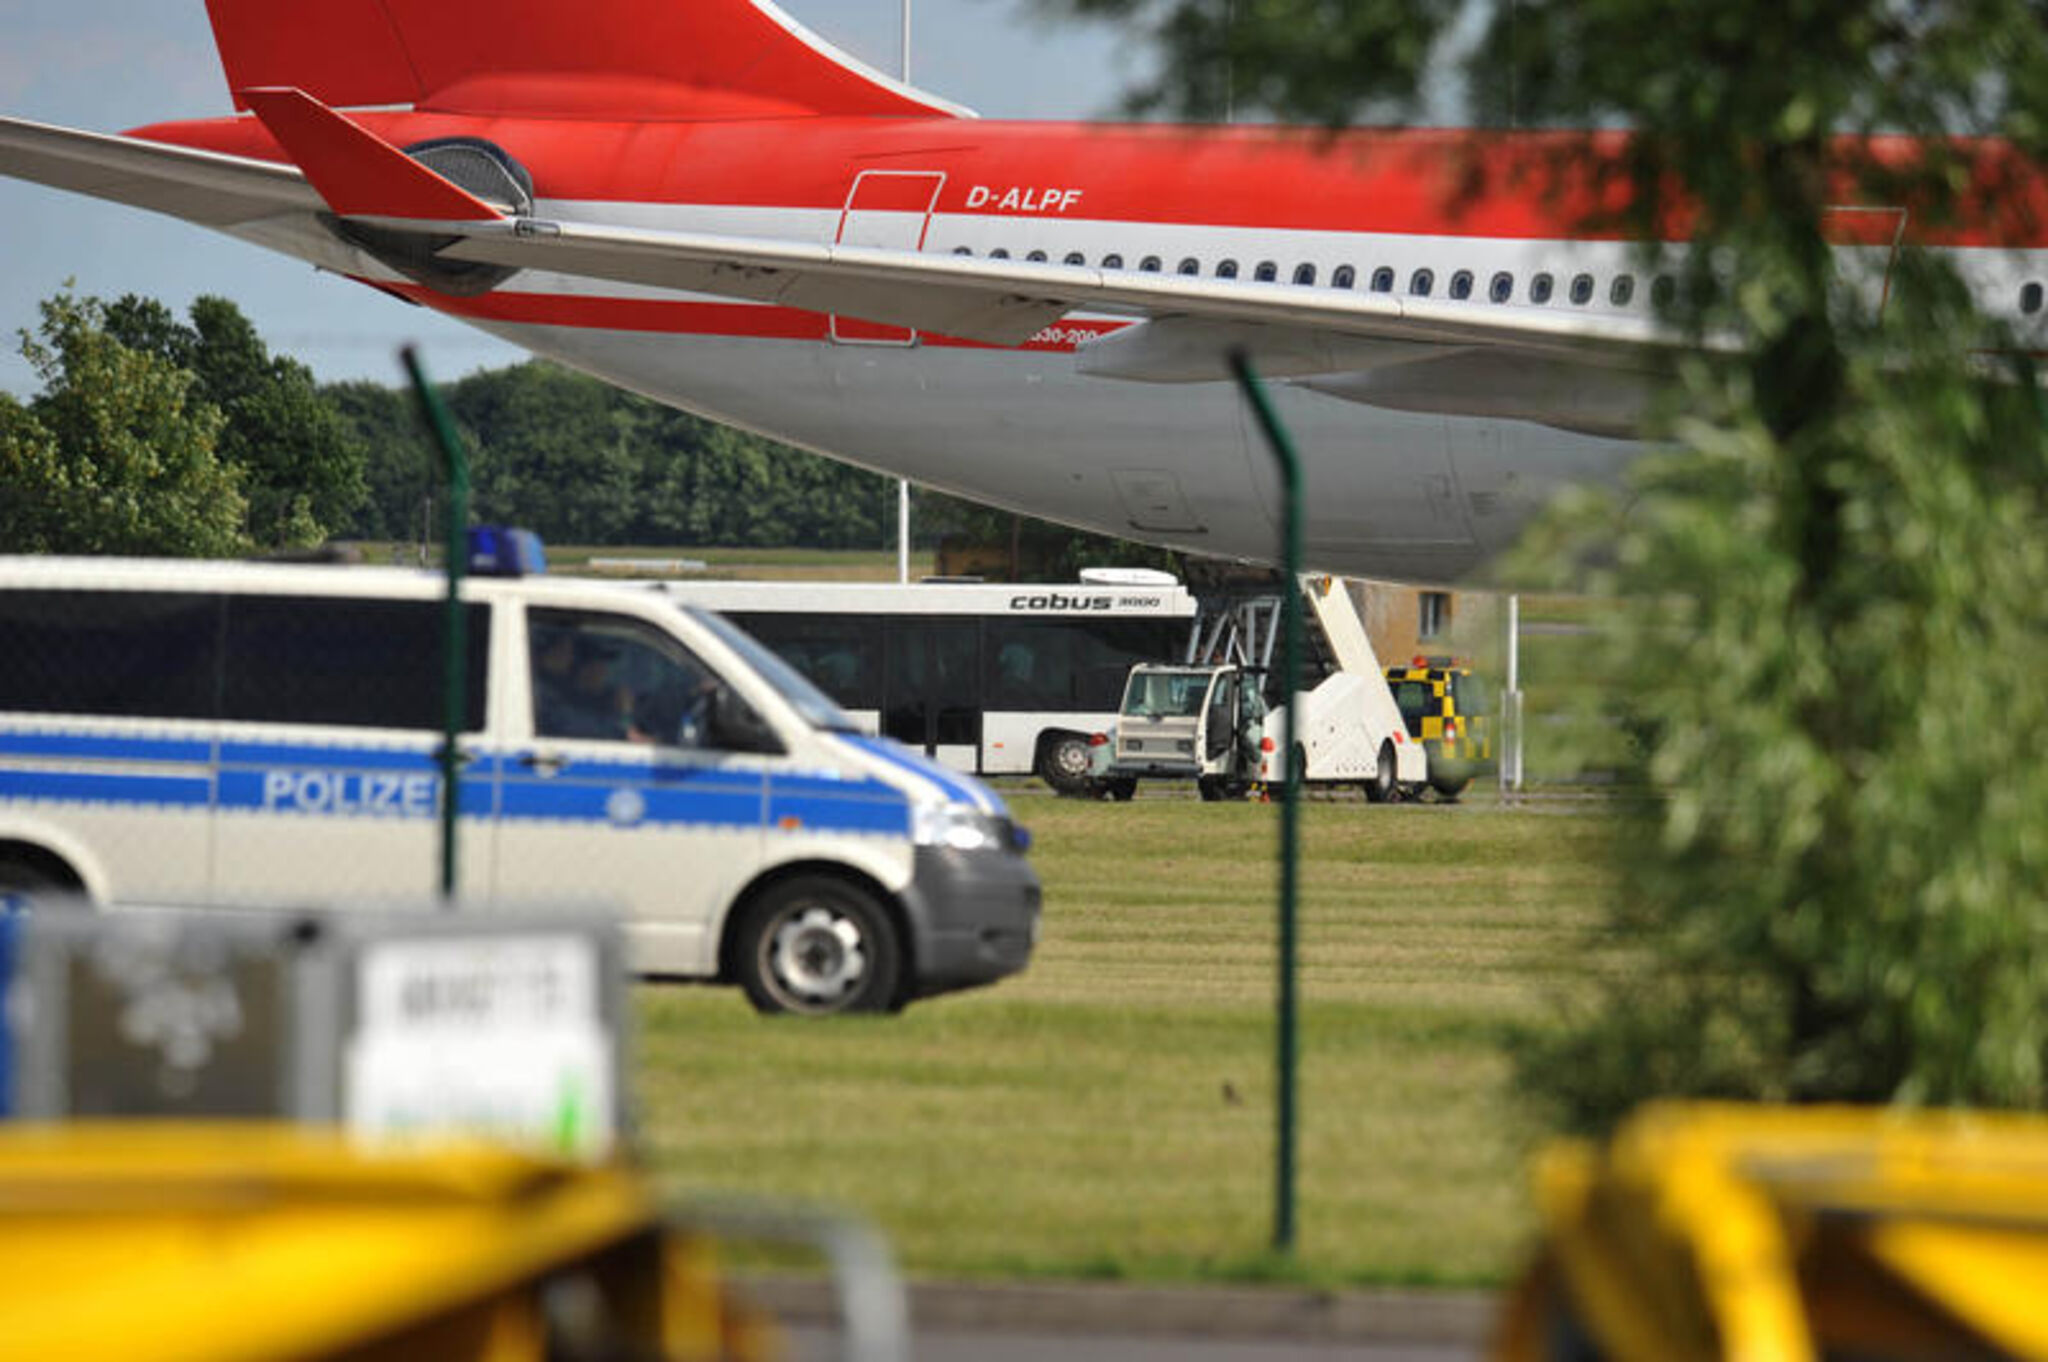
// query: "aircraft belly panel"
[[1386, 497]]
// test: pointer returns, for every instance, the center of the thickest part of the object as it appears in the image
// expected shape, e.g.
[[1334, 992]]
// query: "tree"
[[1837, 887], [401, 464], [302, 473], [116, 454]]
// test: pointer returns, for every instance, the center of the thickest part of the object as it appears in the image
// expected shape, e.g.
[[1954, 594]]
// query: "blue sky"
[[113, 64]]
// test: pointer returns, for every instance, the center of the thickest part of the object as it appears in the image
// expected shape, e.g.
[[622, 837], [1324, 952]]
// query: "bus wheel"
[[1063, 764], [1120, 789], [1383, 787], [817, 945]]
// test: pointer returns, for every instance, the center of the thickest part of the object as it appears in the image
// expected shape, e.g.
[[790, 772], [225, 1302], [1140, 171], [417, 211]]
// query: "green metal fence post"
[[1290, 792], [455, 637]]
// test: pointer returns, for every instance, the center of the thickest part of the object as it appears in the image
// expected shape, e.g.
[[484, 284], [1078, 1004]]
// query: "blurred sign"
[[500, 1035], [397, 1025]]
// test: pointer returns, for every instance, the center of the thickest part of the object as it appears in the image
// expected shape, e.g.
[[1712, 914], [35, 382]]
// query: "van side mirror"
[[733, 725]]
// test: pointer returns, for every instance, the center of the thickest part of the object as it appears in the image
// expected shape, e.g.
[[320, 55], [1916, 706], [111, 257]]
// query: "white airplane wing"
[[1583, 369], [198, 186]]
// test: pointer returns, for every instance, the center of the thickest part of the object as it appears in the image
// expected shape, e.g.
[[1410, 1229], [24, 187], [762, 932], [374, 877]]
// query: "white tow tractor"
[[1210, 723], [1205, 724]]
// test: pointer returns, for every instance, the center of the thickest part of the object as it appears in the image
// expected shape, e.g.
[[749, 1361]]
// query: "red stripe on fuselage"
[[694, 317], [1521, 186]]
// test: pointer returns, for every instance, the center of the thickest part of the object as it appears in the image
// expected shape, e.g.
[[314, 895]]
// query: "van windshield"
[[814, 705]]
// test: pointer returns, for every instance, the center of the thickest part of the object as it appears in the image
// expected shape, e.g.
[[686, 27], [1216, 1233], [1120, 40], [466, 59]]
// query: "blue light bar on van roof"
[[500, 551]]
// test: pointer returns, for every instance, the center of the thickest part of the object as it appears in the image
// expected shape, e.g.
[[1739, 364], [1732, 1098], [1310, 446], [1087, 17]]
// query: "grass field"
[[1110, 1112]]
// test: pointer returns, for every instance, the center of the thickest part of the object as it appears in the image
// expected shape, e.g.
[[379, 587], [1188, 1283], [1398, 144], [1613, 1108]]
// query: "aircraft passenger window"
[[1582, 289], [1539, 289], [1502, 287], [1383, 280], [1267, 272], [1150, 264], [1189, 266], [999, 254], [1304, 274], [2030, 299], [1461, 284], [1663, 289], [1112, 261], [963, 250], [1226, 269], [1038, 256], [1345, 277], [1421, 282], [1074, 258], [1622, 290]]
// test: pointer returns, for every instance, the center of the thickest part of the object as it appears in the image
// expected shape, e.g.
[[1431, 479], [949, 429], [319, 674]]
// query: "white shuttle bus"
[[185, 733], [993, 679]]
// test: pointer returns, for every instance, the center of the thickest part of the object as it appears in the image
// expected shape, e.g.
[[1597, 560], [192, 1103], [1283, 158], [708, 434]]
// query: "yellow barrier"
[[239, 1240], [1789, 1234]]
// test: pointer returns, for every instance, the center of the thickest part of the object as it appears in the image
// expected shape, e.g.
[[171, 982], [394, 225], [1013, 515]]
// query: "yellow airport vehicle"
[[1773, 1234], [246, 1240], [1449, 709]]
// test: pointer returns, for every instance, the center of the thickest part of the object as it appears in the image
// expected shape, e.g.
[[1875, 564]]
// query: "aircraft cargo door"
[[890, 208]]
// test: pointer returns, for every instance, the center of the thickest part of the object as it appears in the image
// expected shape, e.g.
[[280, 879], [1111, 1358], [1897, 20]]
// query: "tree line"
[[153, 433]]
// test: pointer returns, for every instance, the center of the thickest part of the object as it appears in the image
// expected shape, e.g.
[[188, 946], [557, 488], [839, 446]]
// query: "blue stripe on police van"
[[632, 804], [104, 747], [312, 780], [106, 787], [237, 753], [903, 758], [837, 806]]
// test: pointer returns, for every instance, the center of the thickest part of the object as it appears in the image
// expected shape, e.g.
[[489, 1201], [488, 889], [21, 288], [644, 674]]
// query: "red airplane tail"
[[639, 59]]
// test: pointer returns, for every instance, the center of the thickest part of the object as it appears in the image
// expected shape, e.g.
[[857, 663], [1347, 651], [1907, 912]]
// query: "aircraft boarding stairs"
[[1238, 621]]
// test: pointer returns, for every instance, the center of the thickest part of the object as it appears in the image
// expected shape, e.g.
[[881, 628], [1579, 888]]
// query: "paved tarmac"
[[1022, 1323]]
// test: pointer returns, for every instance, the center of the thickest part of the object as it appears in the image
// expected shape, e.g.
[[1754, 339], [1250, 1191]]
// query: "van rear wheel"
[[22, 880], [815, 946]]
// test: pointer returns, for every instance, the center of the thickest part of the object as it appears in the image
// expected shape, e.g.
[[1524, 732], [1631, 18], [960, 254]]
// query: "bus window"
[[839, 654], [931, 696]]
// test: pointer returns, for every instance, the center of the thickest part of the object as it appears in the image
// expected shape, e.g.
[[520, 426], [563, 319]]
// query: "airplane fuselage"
[[1421, 461]]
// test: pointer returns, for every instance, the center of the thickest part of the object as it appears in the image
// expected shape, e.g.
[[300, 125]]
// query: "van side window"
[[347, 661], [614, 678], [127, 653]]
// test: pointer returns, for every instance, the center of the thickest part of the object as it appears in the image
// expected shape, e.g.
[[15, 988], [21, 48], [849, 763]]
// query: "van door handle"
[[543, 763]]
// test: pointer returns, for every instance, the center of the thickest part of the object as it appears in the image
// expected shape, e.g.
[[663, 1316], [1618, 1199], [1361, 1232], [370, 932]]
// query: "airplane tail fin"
[[639, 59]]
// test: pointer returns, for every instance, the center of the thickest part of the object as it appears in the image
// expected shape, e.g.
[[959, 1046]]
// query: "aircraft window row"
[[1500, 287]]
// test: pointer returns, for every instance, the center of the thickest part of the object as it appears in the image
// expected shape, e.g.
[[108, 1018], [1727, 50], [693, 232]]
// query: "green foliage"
[[582, 462], [1317, 61], [116, 454], [301, 471], [1836, 886]]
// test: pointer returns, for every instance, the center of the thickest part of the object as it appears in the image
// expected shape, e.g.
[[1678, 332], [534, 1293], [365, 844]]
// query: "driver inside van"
[[574, 694]]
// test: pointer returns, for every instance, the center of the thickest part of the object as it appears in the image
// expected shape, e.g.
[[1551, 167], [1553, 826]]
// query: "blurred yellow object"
[[165, 1240], [1774, 1234]]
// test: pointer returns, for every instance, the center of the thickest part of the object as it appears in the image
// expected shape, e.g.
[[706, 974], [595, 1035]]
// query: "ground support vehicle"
[[1210, 722], [1449, 711], [180, 733], [1736, 1231], [1205, 724]]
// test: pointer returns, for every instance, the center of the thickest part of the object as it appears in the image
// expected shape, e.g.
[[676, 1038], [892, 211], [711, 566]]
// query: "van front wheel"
[[815, 945]]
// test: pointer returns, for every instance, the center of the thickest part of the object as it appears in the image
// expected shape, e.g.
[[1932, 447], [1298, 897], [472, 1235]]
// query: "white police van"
[[177, 732]]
